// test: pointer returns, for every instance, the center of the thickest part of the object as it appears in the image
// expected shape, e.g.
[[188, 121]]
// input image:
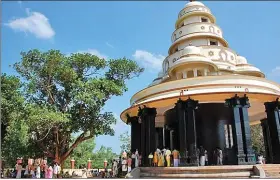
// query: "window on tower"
[[213, 43], [204, 19]]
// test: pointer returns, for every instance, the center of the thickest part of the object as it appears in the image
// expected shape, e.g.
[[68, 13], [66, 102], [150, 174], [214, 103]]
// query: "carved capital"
[[233, 102], [272, 106]]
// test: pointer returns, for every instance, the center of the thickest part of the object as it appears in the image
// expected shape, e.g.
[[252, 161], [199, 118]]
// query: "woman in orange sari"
[[155, 160], [160, 160]]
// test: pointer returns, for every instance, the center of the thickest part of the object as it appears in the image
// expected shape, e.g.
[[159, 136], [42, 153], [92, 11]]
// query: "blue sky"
[[137, 30]]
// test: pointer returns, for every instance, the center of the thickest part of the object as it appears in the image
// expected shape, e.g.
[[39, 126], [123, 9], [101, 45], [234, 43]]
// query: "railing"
[[199, 27]]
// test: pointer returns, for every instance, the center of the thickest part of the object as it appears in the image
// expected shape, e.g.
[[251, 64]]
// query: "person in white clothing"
[[136, 158], [260, 159], [55, 170], [38, 171], [19, 169]]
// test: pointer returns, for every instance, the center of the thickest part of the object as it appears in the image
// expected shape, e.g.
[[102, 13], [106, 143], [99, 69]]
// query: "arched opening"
[[199, 73], [190, 74]]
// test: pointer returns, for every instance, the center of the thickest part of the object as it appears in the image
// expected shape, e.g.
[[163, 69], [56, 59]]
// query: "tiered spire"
[[199, 49]]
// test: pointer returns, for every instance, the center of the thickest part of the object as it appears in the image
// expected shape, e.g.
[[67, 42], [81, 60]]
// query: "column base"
[[251, 159], [241, 159], [194, 161]]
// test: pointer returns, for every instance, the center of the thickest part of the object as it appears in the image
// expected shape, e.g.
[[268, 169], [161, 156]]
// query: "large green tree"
[[15, 136], [66, 95], [11, 101]]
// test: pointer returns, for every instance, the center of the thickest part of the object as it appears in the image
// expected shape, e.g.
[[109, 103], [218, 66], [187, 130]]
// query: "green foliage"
[[102, 154], [85, 151], [14, 129], [82, 154], [66, 95], [257, 139], [11, 98], [125, 142]]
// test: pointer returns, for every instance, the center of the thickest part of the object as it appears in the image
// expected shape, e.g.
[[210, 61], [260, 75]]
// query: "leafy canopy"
[[66, 94]]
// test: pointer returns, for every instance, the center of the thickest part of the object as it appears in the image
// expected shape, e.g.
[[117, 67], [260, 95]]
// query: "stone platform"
[[232, 171]]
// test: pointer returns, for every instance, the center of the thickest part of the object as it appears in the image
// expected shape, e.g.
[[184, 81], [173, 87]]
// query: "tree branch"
[[46, 151], [79, 140]]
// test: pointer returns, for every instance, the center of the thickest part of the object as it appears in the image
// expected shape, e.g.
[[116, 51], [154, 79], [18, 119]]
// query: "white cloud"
[[120, 127], [110, 45], [94, 52], [149, 60], [275, 71], [35, 23]]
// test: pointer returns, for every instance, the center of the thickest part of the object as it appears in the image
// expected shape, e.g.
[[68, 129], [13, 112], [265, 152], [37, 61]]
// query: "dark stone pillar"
[[148, 116], [234, 104], [135, 133], [191, 106], [180, 107], [267, 142], [246, 131], [187, 128], [273, 122]]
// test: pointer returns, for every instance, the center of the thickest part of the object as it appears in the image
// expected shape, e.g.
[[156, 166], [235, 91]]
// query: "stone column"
[[234, 104], [185, 74], [246, 131], [195, 72], [191, 106], [135, 133], [205, 72], [148, 116], [267, 142], [180, 107], [273, 122]]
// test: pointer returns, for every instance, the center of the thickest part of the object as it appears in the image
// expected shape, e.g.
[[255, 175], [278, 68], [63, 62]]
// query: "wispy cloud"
[[110, 45], [275, 71], [148, 60], [120, 127], [94, 52], [35, 23]]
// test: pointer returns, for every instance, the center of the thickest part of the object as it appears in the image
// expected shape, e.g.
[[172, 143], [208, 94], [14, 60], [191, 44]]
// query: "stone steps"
[[243, 171], [199, 175], [271, 170]]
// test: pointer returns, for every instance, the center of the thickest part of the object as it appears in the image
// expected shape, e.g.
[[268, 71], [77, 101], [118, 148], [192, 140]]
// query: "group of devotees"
[[38, 169], [168, 158], [160, 158]]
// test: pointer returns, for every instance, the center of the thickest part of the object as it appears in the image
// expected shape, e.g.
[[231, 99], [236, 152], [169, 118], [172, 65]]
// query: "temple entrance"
[[212, 130]]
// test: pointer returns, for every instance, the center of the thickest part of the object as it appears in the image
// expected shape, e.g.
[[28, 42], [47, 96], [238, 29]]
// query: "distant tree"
[[125, 142], [257, 139], [102, 154], [66, 95], [82, 153]]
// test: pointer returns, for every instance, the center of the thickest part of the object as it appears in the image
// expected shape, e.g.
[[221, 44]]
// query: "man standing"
[[55, 170], [175, 154], [124, 166], [150, 159], [129, 162], [219, 153], [133, 160]]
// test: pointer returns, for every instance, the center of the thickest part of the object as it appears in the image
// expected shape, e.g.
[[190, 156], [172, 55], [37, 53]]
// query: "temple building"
[[206, 95]]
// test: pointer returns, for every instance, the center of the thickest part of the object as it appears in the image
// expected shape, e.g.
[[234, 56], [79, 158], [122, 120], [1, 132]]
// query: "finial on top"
[[191, 0]]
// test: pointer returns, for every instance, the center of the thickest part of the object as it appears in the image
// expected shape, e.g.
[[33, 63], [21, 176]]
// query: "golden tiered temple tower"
[[207, 95]]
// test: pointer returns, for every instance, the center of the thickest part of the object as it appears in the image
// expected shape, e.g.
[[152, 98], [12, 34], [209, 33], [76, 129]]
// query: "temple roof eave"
[[195, 35]]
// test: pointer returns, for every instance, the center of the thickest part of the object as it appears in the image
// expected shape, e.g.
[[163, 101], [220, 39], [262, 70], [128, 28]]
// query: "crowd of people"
[[167, 158], [37, 169]]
